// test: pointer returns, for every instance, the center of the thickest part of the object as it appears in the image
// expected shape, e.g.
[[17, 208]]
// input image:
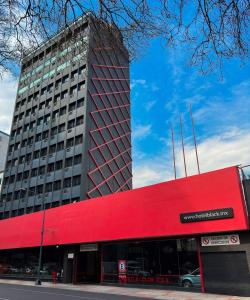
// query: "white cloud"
[[141, 131], [219, 151], [216, 152], [8, 91], [136, 82], [152, 171]]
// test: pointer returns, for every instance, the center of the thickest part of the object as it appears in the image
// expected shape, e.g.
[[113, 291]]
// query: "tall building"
[[4, 140], [70, 137]]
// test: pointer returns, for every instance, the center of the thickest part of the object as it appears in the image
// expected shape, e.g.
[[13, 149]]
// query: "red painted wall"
[[151, 211]]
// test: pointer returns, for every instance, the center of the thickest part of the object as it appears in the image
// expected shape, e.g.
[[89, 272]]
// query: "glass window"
[[76, 180]]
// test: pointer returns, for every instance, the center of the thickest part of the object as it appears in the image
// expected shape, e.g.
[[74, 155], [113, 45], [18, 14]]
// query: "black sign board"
[[206, 215]]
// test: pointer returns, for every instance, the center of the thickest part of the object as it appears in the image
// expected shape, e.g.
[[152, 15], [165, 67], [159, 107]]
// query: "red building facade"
[[148, 228]]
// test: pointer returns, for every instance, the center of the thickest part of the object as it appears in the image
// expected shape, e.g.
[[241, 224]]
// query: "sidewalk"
[[128, 291]]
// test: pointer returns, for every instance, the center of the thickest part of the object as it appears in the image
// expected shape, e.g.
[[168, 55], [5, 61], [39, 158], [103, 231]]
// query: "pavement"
[[26, 290]]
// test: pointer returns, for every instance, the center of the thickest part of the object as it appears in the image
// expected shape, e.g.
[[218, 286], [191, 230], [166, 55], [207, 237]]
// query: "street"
[[16, 292]]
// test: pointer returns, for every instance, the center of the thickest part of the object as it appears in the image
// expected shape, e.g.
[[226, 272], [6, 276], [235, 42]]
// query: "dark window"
[[80, 102], [59, 165], [12, 179], [19, 176], [32, 191], [45, 134], [26, 174], [79, 120], [67, 182], [28, 158], [36, 154], [63, 111], [81, 70], [65, 78], [48, 187], [60, 146], [53, 131], [55, 114], [51, 167], [70, 142], [71, 124], [68, 162], [61, 128], [73, 90], [30, 141], [38, 137], [44, 152], [39, 189], [74, 74], [77, 159], [41, 170], [78, 139], [76, 180], [52, 149], [23, 144], [39, 121], [72, 106], [57, 185], [43, 91], [64, 94], [81, 85], [34, 172]]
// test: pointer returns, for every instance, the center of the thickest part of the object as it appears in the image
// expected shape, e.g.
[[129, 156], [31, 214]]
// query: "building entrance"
[[88, 267]]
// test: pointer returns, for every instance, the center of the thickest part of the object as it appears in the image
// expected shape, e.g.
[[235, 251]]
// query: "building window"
[[61, 128], [79, 120], [72, 106], [68, 162], [78, 139], [70, 143], [60, 146], [39, 189], [77, 159], [81, 86], [41, 170], [26, 174], [48, 187], [51, 167], [32, 191], [57, 185], [34, 172], [52, 149], [76, 180], [80, 102], [44, 152], [71, 124], [67, 182], [63, 111], [59, 165]]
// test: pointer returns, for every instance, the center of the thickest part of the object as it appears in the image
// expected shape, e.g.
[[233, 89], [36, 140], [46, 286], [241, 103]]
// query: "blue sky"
[[162, 87]]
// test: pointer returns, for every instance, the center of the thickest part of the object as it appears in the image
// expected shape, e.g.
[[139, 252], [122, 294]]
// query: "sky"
[[163, 85]]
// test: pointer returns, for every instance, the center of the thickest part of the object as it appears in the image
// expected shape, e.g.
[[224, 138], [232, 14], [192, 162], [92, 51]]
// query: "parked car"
[[192, 279]]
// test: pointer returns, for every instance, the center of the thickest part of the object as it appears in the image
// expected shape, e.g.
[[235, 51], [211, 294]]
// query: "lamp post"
[[38, 278]]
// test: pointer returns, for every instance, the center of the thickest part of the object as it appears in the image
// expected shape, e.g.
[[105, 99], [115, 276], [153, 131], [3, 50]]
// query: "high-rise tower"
[[70, 138]]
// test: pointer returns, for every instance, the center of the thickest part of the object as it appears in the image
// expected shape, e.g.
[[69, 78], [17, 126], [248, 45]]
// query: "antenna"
[[183, 147], [173, 150], [195, 143]]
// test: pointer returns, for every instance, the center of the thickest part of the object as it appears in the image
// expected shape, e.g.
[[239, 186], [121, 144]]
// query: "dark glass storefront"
[[23, 263], [170, 262], [163, 262]]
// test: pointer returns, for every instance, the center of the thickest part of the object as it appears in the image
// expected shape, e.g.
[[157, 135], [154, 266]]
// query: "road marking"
[[4, 299], [57, 294]]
